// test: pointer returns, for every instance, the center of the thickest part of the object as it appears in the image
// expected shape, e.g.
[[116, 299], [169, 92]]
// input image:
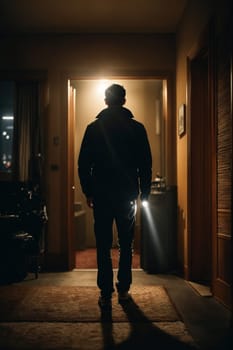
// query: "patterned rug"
[[95, 336], [78, 304], [68, 317]]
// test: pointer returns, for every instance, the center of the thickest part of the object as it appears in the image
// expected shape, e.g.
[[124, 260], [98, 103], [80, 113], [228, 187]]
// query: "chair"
[[22, 220]]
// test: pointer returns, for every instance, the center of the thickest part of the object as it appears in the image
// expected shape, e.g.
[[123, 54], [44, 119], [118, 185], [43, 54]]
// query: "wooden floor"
[[86, 259]]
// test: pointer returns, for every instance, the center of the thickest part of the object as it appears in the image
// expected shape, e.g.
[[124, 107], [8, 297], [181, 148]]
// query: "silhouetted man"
[[114, 167]]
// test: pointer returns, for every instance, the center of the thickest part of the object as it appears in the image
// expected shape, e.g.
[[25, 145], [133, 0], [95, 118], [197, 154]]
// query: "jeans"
[[105, 212]]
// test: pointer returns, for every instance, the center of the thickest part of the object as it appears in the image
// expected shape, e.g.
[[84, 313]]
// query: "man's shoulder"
[[137, 124], [90, 129], [92, 124]]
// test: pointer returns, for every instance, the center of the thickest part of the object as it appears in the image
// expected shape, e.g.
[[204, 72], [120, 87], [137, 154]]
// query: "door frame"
[[204, 46], [67, 155]]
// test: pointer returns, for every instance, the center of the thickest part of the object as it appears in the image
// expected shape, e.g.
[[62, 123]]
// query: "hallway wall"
[[195, 19]]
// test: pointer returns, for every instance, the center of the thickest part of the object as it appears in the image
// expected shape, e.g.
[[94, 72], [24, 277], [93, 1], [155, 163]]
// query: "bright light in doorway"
[[102, 85]]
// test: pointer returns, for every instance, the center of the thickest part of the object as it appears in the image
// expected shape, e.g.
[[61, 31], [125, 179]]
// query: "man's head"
[[115, 95]]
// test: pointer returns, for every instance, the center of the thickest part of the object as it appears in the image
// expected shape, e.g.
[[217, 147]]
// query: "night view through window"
[[6, 124]]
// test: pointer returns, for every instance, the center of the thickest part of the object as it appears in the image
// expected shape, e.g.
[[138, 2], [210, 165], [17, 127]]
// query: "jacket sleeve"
[[144, 165], [85, 163]]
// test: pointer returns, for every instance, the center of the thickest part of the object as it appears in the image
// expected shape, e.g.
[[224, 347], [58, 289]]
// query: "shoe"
[[124, 297], [105, 303]]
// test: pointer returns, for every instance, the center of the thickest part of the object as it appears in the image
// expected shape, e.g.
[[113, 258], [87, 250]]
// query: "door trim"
[[170, 158], [204, 45]]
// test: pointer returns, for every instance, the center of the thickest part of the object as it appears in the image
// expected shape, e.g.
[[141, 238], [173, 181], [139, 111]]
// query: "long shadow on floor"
[[144, 334]]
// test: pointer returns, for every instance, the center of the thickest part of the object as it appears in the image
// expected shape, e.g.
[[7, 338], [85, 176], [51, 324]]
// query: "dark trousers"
[[105, 212]]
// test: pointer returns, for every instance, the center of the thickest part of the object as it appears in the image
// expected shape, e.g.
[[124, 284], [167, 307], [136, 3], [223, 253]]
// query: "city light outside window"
[[6, 125]]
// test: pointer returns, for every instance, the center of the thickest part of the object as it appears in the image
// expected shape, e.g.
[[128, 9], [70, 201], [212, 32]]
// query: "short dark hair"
[[115, 95]]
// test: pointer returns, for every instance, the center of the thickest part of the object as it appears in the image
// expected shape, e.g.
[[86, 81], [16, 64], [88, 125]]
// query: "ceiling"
[[90, 16]]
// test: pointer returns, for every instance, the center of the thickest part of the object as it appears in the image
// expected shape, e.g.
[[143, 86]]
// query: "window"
[[7, 89]]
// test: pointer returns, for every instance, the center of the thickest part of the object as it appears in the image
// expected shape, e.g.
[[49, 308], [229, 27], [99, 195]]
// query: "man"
[[114, 167]]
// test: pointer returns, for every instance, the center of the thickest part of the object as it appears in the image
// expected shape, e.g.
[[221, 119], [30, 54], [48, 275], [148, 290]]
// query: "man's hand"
[[90, 202]]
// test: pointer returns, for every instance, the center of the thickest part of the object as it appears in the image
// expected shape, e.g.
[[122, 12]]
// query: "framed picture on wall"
[[181, 120]]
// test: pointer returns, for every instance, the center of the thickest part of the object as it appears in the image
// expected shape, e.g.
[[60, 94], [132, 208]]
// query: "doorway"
[[201, 176], [145, 98]]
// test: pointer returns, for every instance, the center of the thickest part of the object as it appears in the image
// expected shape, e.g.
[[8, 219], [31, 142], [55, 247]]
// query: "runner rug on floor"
[[95, 336], [79, 304], [67, 317]]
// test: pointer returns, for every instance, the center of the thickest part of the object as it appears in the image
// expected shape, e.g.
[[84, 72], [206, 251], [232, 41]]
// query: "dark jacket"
[[115, 157]]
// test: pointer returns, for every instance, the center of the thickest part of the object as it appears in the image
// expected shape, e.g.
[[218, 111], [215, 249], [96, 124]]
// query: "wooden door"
[[210, 165], [200, 172], [223, 244]]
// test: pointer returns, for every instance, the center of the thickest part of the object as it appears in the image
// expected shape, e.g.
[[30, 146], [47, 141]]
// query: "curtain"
[[28, 125]]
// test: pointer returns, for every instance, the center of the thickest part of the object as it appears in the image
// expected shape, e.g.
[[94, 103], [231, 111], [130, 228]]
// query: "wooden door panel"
[[200, 175], [222, 279]]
